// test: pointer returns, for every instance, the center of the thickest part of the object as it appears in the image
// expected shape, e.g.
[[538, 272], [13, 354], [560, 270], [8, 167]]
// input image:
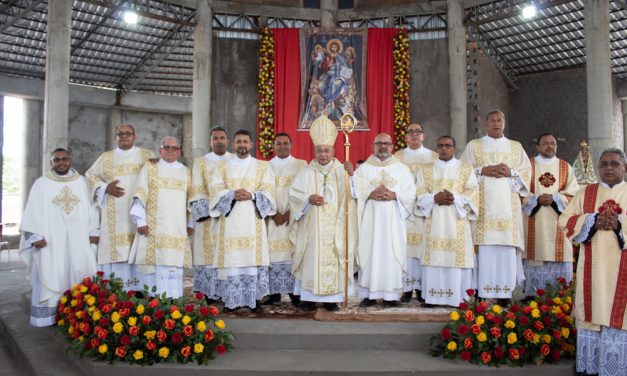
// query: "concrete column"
[[599, 77], [32, 127], [1, 146], [624, 107], [187, 139], [113, 121], [328, 8], [56, 90], [458, 100], [201, 99]]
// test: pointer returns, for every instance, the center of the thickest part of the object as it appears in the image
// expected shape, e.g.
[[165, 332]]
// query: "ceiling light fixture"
[[130, 17], [529, 11]]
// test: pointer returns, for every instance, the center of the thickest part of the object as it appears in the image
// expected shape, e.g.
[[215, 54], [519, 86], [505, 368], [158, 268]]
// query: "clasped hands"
[[382, 193], [242, 195], [500, 170], [545, 199], [607, 221], [143, 230], [281, 219], [444, 198]]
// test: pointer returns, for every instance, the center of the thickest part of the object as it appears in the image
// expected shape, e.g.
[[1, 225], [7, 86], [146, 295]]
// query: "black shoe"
[[429, 305], [406, 297], [367, 303], [258, 308], [295, 300], [331, 307], [503, 302], [391, 303], [230, 310], [271, 299], [308, 306], [419, 296], [210, 301]]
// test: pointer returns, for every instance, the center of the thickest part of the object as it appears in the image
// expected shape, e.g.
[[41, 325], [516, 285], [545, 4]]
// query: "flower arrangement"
[[265, 93], [103, 321], [401, 87], [541, 331]]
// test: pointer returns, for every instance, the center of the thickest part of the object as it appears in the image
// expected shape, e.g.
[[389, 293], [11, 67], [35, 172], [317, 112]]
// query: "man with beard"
[[242, 256], [447, 197], [413, 156], [595, 219], [206, 184], [549, 254], [58, 224], [386, 195]]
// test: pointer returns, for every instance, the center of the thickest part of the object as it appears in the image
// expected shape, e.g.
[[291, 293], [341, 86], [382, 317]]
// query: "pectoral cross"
[[432, 292]]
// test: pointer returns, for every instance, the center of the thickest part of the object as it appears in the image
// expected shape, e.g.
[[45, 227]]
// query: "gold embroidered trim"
[[173, 184], [126, 169], [107, 166], [66, 200], [151, 211], [282, 245]]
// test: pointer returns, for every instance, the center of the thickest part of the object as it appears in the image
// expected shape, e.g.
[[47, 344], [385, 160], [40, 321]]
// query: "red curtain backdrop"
[[379, 94]]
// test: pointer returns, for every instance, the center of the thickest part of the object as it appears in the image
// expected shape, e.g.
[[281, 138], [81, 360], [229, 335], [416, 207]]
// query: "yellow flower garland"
[[401, 87], [265, 93]]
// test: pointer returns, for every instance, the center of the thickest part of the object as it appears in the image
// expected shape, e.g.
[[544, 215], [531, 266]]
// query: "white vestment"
[[117, 231], [59, 210], [449, 256], [413, 158], [499, 229], [548, 253], [206, 183], [160, 203], [281, 248], [242, 256], [382, 251], [319, 233]]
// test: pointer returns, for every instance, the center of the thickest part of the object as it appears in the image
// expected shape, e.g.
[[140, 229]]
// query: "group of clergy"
[[417, 220]]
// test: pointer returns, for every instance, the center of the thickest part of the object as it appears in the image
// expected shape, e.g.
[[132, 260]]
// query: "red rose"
[[465, 355], [208, 335], [173, 308], [445, 333], [561, 280], [120, 351], [498, 352], [104, 322], [134, 330], [481, 307], [545, 308], [106, 308], [547, 321], [463, 306], [150, 345], [200, 295], [153, 303], [510, 315], [94, 342], [476, 329], [103, 334], [118, 305], [188, 330], [105, 281], [186, 351], [523, 350], [555, 355], [125, 340], [99, 274], [489, 316], [189, 308], [540, 292], [524, 320], [469, 316], [495, 332], [545, 350], [528, 334], [128, 305], [220, 349], [538, 325], [514, 308], [514, 354], [557, 334], [213, 311], [498, 320], [158, 314], [124, 312], [462, 329], [161, 336], [204, 311], [169, 324], [527, 310], [468, 343], [177, 338], [470, 292], [146, 320], [130, 293], [486, 357]]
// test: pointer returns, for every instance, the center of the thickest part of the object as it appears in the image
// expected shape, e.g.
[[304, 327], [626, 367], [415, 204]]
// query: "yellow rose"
[[454, 316], [83, 289], [140, 309], [546, 338], [79, 314], [565, 332], [132, 321], [61, 322], [569, 300], [118, 327], [103, 348], [220, 324], [200, 326], [70, 329], [511, 338], [150, 334], [91, 301], [198, 348], [115, 316], [533, 304], [176, 315], [164, 352], [536, 338], [557, 300], [63, 300], [482, 337], [569, 319], [81, 339], [556, 310], [509, 324], [479, 320], [96, 316], [186, 319], [74, 302], [570, 348], [138, 354], [91, 309], [452, 346], [497, 309], [535, 313]]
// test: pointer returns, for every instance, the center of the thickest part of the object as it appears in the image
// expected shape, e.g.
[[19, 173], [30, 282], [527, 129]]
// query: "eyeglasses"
[[57, 160], [379, 144], [124, 134], [445, 145], [170, 147], [414, 131]]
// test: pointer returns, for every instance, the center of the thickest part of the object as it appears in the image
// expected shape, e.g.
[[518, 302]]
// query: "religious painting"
[[333, 77]]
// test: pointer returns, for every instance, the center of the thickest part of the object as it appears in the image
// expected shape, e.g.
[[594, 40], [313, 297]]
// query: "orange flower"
[[169, 324], [514, 354], [486, 357], [120, 351], [528, 334], [188, 330], [545, 350], [186, 351], [209, 335], [467, 343], [469, 316]]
